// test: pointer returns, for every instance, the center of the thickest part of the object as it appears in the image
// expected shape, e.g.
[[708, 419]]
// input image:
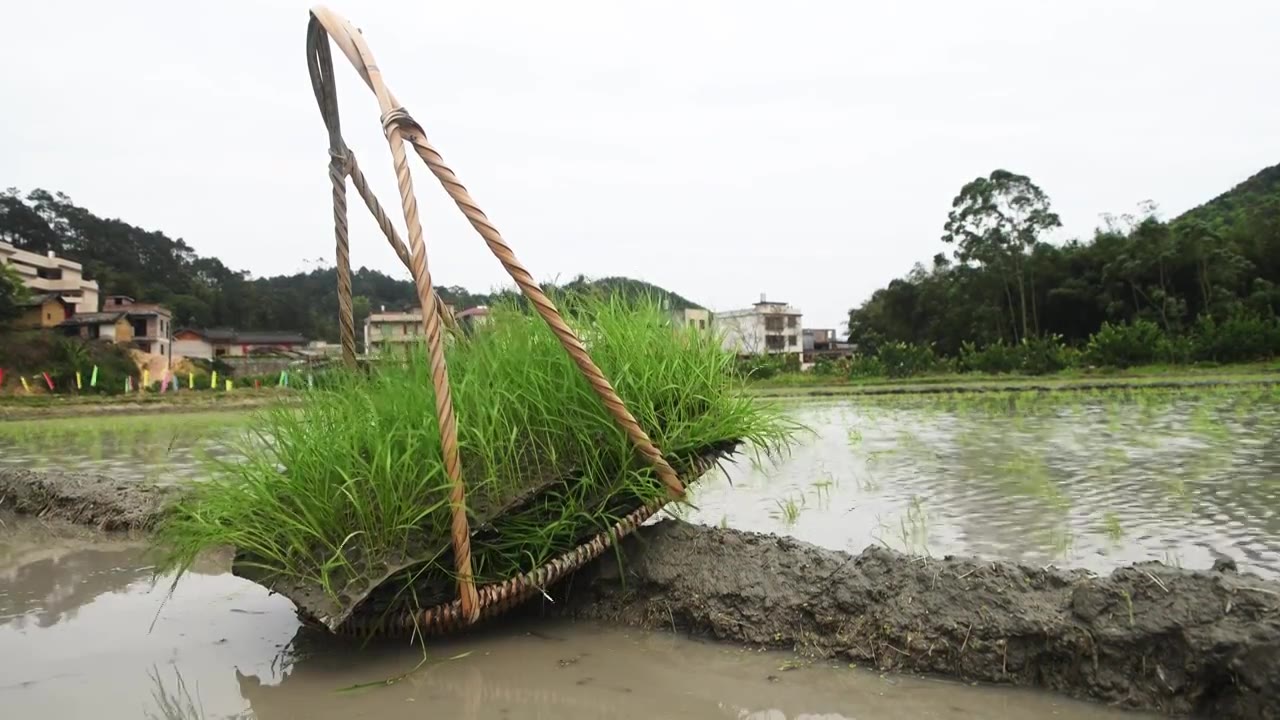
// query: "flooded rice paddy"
[[1078, 479], [1091, 479], [85, 632]]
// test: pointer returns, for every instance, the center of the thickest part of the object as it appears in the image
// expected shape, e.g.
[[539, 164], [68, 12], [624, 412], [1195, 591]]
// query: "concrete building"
[[45, 274], [699, 318], [111, 326], [230, 343], [472, 318], [44, 310], [404, 327], [151, 324], [382, 329], [818, 339], [766, 328]]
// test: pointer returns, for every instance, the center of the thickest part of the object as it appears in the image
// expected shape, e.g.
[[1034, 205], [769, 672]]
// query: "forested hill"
[[994, 280], [202, 292]]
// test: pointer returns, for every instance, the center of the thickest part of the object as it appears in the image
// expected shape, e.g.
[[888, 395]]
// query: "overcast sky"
[[807, 150]]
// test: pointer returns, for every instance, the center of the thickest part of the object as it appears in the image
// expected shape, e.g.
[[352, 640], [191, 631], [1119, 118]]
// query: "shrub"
[[1239, 338], [902, 360], [1042, 355], [865, 366], [758, 367], [994, 359], [1126, 345], [32, 353]]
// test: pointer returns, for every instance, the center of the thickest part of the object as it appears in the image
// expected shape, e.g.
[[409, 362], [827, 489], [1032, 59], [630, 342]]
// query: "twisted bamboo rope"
[[399, 127]]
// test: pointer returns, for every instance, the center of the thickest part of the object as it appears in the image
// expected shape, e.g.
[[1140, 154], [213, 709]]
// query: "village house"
[[401, 328], [151, 324], [44, 310], [230, 343], [698, 318], [112, 326], [765, 328], [50, 274]]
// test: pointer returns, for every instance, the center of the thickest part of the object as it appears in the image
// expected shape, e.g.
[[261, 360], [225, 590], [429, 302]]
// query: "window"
[[791, 322], [773, 324], [773, 342], [702, 324], [791, 341], [49, 273]]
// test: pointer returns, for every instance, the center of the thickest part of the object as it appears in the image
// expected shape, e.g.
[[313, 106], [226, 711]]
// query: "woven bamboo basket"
[[363, 611]]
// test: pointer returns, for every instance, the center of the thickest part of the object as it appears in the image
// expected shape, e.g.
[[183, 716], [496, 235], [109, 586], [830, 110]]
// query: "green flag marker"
[[93, 379]]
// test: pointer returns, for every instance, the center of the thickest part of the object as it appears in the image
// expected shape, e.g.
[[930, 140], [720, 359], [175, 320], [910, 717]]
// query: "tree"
[[1220, 261], [995, 222], [12, 293]]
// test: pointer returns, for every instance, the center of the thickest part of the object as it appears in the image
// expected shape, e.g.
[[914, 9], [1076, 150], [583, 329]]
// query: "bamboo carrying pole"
[[401, 129]]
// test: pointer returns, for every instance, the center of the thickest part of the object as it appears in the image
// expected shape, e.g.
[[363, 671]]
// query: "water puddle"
[[84, 633]]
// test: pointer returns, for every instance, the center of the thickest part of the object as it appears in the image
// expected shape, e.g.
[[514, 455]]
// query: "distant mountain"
[[1259, 194], [630, 289], [202, 292]]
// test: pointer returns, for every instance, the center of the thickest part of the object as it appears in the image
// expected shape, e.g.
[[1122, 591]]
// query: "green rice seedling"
[[1111, 526], [789, 510], [855, 437], [333, 492]]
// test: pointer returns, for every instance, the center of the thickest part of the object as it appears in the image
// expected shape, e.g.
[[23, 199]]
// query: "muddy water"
[[84, 633], [1092, 480]]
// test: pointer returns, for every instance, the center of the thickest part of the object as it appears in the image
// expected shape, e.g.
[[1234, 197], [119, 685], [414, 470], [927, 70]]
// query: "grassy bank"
[[352, 482], [813, 383], [26, 407]]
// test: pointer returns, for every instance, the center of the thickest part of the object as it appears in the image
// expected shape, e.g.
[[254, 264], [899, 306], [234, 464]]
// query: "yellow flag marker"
[[25, 386], [78, 385], [228, 386], [213, 380]]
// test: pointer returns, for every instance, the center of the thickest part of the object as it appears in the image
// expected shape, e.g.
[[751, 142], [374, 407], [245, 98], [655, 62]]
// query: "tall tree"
[[995, 221], [12, 292]]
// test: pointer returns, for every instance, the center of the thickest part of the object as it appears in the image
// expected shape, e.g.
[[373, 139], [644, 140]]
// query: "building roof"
[[230, 335], [381, 317], [146, 309], [38, 299], [97, 318], [479, 311]]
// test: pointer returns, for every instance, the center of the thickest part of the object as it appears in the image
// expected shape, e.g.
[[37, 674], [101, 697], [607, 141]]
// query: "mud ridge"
[[1204, 643], [84, 498]]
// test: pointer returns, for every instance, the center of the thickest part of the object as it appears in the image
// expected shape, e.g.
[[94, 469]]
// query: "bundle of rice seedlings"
[[342, 504]]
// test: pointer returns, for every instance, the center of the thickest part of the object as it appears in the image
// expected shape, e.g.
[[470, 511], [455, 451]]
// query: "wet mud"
[[1148, 636], [84, 498], [1204, 643]]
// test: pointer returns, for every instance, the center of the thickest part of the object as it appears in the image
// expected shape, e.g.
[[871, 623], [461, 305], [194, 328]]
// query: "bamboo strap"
[[400, 128]]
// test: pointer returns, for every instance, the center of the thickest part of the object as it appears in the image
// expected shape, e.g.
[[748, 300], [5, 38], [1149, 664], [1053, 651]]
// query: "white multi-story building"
[[50, 274], [766, 328]]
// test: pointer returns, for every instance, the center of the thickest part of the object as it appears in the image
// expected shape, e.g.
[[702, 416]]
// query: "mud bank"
[[1149, 636], [84, 498]]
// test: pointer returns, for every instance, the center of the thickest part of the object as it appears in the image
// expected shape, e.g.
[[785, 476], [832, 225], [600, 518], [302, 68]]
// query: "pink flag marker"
[[48, 380]]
